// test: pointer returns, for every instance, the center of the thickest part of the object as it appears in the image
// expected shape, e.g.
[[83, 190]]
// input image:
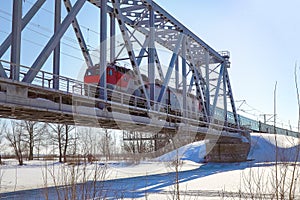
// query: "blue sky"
[[262, 36]]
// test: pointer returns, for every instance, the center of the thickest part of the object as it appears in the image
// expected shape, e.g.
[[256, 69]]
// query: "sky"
[[263, 40], [262, 37]]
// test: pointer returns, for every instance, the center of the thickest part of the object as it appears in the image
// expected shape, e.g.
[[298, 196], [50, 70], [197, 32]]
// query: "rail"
[[123, 102]]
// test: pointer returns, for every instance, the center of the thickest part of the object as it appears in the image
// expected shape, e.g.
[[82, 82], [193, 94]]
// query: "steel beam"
[[158, 66], [7, 42], [103, 49], [16, 40], [170, 69], [207, 91], [225, 97], [197, 76], [171, 23], [131, 2], [191, 84], [56, 53], [132, 8], [220, 78], [25, 20], [151, 55], [80, 38], [142, 51], [185, 30], [177, 71], [112, 37], [52, 43], [129, 47], [131, 36], [184, 92], [196, 73], [2, 71], [231, 99]]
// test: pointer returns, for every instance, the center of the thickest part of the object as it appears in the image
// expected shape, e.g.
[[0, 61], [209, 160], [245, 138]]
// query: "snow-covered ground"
[[155, 179]]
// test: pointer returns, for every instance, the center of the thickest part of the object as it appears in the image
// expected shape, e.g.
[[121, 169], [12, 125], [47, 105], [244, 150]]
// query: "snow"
[[193, 152], [154, 179], [264, 148]]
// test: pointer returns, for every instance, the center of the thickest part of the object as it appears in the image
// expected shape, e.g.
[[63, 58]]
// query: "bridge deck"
[[38, 101]]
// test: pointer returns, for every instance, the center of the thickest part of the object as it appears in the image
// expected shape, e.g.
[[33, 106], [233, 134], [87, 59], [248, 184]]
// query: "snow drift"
[[263, 149]]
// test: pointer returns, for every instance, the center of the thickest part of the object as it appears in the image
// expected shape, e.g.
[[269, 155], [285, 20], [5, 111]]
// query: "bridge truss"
[[146, 30]]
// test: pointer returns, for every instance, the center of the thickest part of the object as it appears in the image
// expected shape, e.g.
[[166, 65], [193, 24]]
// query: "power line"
[[46, 36]]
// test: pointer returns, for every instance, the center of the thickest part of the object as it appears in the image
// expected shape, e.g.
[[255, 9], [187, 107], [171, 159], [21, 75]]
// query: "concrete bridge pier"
[[227, 149]]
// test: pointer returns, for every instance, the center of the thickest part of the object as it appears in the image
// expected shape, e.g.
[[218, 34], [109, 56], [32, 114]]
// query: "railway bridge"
[[138, 32]]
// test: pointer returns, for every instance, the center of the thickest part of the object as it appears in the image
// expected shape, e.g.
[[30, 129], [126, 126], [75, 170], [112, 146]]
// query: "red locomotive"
[[122, 80]]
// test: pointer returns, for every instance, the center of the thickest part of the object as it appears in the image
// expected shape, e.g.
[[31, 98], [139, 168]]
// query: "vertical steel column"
[[56, 53], [151, 52], [112, 37], [191, 84], [128, 44], [158, 66], [142, 51], [16, 40], [216, 96], [170, 69], [177, 73], [79, 35], [236, 118], [184, 92], [225, 98], [207, 92], [103, 49]]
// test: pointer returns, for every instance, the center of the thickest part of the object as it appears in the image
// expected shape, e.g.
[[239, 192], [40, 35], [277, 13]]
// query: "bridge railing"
[[118, 100], [46, 79], [124, 102]]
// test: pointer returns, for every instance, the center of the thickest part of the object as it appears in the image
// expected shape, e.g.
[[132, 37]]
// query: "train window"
[[110, 72], [96, 71], [88, 72]]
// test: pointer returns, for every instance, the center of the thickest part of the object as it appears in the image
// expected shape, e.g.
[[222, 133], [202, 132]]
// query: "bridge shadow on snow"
[[135, 187]]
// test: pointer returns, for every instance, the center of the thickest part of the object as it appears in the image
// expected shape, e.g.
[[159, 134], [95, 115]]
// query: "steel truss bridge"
[[31, 93]]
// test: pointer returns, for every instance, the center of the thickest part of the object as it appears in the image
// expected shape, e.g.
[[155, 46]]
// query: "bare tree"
[[298, 95], [15, 136], [276, 145], [67, 139], [88, 141], [60, 134], [106, 144], [282, 181], [137, 142], [295, 170], [33, 130], [3, 126]]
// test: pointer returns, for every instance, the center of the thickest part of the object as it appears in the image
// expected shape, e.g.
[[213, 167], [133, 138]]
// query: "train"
[[121, 80], [261, 127]]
